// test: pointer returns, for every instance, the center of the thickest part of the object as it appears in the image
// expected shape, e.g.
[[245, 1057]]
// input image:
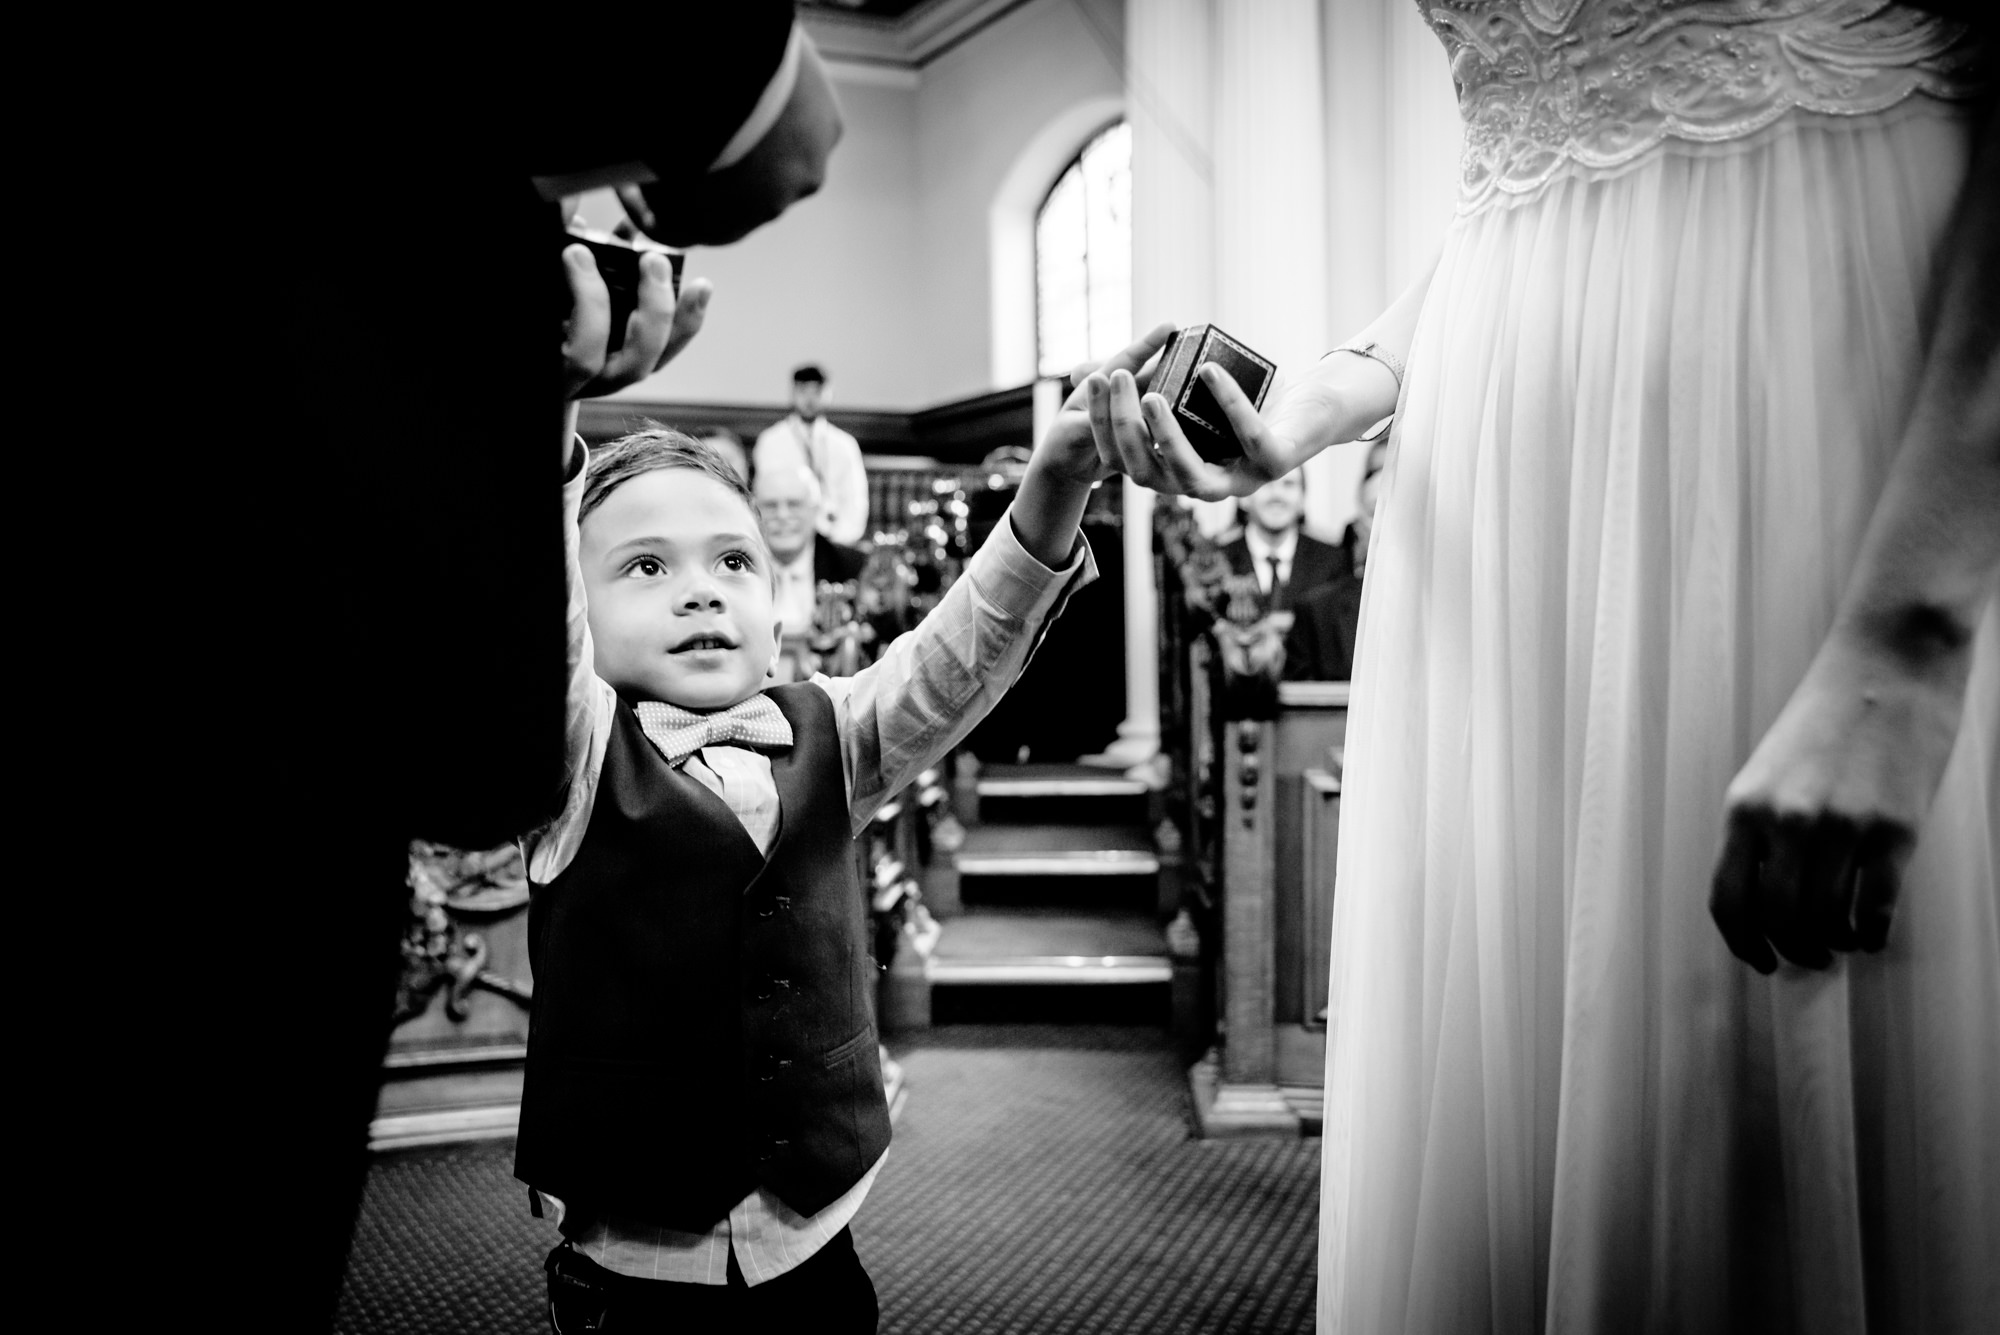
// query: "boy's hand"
[[659, 328], [1068, 448], [1057, 485]]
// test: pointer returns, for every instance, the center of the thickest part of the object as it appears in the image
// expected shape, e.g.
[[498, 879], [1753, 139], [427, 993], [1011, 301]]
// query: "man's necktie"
[[1277, 582], [679, 733]]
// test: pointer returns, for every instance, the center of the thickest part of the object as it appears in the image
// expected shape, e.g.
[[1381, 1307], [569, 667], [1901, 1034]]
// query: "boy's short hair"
[[650, 449]]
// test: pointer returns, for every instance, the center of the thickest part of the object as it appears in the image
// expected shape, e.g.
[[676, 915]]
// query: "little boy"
[[703, 1110]]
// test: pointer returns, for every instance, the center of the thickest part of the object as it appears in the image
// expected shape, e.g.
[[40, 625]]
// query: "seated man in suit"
[[1285, 561], [788, 506], [1320, 644]]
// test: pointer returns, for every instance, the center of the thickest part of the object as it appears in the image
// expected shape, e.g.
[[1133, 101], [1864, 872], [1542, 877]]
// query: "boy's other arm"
[[933, 685]]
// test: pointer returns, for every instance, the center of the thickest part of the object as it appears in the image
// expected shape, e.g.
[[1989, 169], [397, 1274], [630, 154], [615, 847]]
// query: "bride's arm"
[[1823, 817], [1337, 399]]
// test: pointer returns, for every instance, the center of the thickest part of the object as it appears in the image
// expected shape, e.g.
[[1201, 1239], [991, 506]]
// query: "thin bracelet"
[[1376, 352]]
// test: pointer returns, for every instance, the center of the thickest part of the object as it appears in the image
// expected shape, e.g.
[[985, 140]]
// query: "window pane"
[[1061, 276], [1083, 257], [1107, 181]]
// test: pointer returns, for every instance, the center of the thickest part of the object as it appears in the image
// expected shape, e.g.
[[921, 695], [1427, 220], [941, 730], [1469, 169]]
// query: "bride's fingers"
[[1187, 472], [1781, 894], [1731, 895], [1263, 456], [1878, 875], [1828, 898]]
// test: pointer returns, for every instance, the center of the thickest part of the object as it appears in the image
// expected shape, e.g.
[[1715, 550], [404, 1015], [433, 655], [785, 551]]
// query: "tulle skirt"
[[1645, 420]]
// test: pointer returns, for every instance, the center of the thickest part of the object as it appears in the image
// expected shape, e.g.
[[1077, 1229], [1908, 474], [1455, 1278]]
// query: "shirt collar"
[[1264, 549]]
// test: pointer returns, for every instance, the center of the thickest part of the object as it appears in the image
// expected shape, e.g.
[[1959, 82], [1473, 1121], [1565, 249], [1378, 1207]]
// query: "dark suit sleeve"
[[1237, 552], [1320, 644], [1301, 645], [729, 52], [1315, 565], [836, 561]]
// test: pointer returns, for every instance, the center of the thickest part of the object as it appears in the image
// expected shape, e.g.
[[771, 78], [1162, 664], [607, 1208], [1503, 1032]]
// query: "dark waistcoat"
[[703, 1021]]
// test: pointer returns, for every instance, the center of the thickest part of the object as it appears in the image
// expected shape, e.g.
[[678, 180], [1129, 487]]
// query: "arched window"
[[1083, 256]]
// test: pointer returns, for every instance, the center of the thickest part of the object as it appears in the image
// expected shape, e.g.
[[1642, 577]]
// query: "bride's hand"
[[1824, 815], [1139, 437]]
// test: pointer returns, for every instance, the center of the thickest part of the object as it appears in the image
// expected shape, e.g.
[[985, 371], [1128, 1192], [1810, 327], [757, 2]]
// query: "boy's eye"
[[649, 566], [739, 562]]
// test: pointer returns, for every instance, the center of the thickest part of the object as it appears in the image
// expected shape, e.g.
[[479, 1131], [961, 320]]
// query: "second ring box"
[[1195, 409]]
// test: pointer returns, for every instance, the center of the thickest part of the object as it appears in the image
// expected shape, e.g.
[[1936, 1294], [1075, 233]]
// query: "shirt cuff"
[[1017, 584]]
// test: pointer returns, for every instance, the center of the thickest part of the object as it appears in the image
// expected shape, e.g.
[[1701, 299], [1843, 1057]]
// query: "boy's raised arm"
[[932, 686]]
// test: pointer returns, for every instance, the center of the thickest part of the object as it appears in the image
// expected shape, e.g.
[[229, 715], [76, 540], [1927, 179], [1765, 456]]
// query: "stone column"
[[1271, 193], [1168, 77]]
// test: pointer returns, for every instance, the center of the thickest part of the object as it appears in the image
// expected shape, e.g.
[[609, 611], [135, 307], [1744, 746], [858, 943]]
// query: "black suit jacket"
[[836, 561], [1313, 563], [1320, 644]]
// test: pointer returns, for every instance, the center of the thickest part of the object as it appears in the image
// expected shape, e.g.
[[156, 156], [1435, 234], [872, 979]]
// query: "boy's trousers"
[[830, 1294]]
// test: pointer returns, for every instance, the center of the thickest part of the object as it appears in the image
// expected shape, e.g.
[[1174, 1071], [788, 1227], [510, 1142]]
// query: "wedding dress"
[[1658, 381]]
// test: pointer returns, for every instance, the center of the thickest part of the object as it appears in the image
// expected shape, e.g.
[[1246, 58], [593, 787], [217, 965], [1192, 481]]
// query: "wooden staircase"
[[1051, 907]]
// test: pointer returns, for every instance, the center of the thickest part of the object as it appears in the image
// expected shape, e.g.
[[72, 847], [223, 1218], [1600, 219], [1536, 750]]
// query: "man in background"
[[788, 506], [1286, 562], [806, 437], [1320, 644]]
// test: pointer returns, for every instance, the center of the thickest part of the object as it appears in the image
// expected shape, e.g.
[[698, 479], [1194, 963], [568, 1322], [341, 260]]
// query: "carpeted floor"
[[1042, 1179]]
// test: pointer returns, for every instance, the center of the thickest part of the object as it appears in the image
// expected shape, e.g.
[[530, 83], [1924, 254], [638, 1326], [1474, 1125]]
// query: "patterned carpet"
[[1043, 1179]]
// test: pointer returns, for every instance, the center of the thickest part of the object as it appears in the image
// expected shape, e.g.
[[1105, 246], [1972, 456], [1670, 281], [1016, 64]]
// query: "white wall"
[[830, 281], [1392, 142], [887, 277], [1027, 91]]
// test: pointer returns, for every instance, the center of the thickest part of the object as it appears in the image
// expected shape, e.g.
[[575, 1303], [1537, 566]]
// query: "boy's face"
[[680, 591]]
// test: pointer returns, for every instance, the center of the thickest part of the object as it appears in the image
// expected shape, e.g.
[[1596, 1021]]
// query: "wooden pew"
[[1279, 825]]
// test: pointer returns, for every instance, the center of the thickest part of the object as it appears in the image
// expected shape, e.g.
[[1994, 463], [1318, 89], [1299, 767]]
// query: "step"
[[1050, 793], [1057, 850], [1056, 781], [1043, 946]]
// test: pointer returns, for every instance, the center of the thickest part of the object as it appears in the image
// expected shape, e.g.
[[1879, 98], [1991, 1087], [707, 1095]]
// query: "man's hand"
[[1823, 817], [658, 329]]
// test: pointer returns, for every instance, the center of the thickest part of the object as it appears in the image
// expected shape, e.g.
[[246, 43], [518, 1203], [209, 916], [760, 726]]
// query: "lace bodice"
[[1547, 83]]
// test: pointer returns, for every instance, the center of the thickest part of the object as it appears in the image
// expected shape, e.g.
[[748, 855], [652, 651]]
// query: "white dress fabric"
[[1656, 387]]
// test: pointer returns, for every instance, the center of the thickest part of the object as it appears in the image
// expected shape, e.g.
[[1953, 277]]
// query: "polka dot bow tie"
[[679, 733]]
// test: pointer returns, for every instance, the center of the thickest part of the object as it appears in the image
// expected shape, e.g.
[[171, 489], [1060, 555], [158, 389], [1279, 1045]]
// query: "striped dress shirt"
[[895, 718]]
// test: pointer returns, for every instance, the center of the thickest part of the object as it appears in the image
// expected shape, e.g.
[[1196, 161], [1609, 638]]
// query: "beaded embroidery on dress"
[[1544, 83]]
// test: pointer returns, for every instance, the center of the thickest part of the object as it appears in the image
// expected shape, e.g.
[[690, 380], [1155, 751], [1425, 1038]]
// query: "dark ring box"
[[1195, 409]]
